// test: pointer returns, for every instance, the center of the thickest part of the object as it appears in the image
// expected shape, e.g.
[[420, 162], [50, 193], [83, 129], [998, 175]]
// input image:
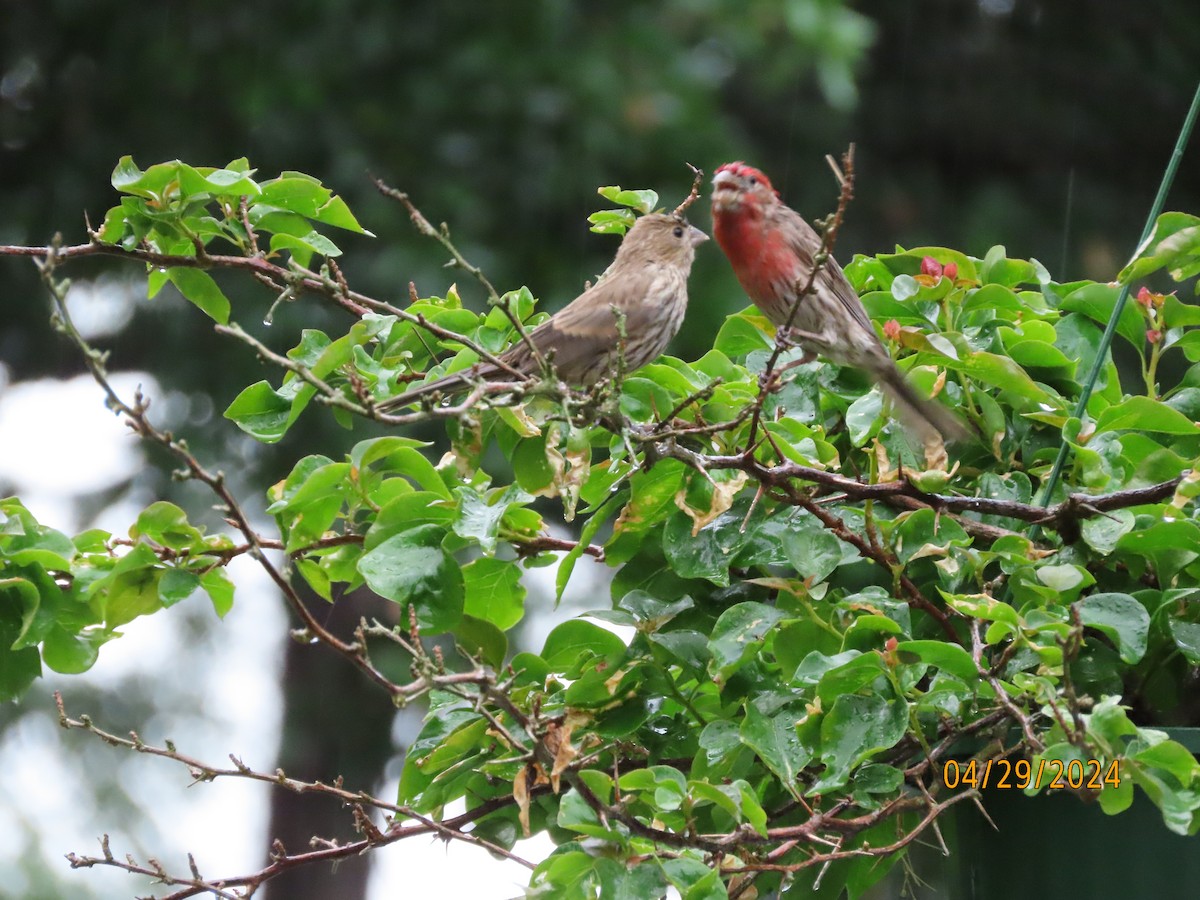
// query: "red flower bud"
[[930, 266], [1154, 335], [951, 271], [891, 330], [1144, 297]]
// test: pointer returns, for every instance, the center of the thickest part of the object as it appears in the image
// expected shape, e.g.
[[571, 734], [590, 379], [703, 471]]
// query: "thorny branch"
[[785, 846]]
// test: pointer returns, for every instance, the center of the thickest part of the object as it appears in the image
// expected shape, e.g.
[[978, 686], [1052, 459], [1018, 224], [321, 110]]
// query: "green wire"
[[1111, 327]]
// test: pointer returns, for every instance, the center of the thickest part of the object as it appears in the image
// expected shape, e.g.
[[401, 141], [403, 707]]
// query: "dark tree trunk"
[[335, 723]]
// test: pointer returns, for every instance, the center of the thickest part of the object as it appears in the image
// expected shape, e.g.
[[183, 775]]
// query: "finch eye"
[[678, 231], [753, 180]]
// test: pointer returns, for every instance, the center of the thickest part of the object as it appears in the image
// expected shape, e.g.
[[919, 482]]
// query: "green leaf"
[[494, 591], [775, 740], [651, 501], [307, 197], [945, 656], [71, 654], [18, 668], [261, 412], [738, 635], [1064, 579], [479, 517], [1143, 414], [1171, 757], [131, 590], [21, 602], [412, 569], [219, 588], [1174, 244], [165, 524], [862, 417], [1097, 301], [198, 287], [997, 268], [1187, 638], [744, 333], [845, 677], [1177, 314], [176, 585], [576, 640], [855, 728], [1102, 533], [586, 535], [812, 550], [304, 246], [612, 221], [1121, 618], [643, 201], [408, 511], [1167, 546], [39, 545], [1001, 372]]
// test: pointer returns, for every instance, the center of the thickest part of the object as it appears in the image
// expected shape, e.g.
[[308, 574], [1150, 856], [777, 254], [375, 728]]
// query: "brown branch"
[[136, 418], [536, 545], [281, 861], [442, 236], [296, 277], [993, 681], [693, 195], [881, 556], [933, 810], [425, 227], [523, 546], [1075, 508]]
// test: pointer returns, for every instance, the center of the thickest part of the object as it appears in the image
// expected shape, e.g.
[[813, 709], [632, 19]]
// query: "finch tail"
[[921, 415]]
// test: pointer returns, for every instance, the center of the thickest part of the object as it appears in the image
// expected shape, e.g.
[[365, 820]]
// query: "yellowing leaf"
[[722, 498]]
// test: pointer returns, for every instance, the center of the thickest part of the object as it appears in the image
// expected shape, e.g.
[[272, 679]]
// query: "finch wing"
[[576, 334], [805, 244]]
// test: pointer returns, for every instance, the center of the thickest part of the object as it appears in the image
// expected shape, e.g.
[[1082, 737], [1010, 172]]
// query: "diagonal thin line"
[[1106, 339]]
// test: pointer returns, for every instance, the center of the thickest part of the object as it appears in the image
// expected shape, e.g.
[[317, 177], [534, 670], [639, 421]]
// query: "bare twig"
[[442, 236], [693, 195]]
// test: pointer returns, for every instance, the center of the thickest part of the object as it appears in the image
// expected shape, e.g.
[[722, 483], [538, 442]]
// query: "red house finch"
[[646, 284], [771, 249]]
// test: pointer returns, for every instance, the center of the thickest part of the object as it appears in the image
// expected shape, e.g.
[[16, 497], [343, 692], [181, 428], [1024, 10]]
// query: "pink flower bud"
[[891, 330], [930, 266], [1154, 335], [951, 271], [1144, 297]]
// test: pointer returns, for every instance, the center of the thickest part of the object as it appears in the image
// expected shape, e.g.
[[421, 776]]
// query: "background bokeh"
[[1043, 126]]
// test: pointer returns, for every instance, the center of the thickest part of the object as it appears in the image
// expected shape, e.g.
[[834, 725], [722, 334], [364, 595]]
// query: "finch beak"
[[696, 236], [726, 190]]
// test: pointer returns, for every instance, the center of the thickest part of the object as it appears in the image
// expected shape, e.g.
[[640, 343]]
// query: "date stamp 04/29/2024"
[[1054, 774]]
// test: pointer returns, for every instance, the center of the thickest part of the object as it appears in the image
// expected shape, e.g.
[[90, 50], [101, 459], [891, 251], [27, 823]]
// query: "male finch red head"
[[646, 286], [771, 249]]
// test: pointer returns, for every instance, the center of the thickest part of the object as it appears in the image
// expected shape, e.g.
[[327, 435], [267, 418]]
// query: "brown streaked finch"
[[646, 286], [771, 249]]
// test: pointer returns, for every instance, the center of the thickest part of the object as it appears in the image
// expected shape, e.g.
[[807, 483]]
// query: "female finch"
[[771, 249], [646, 286]]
